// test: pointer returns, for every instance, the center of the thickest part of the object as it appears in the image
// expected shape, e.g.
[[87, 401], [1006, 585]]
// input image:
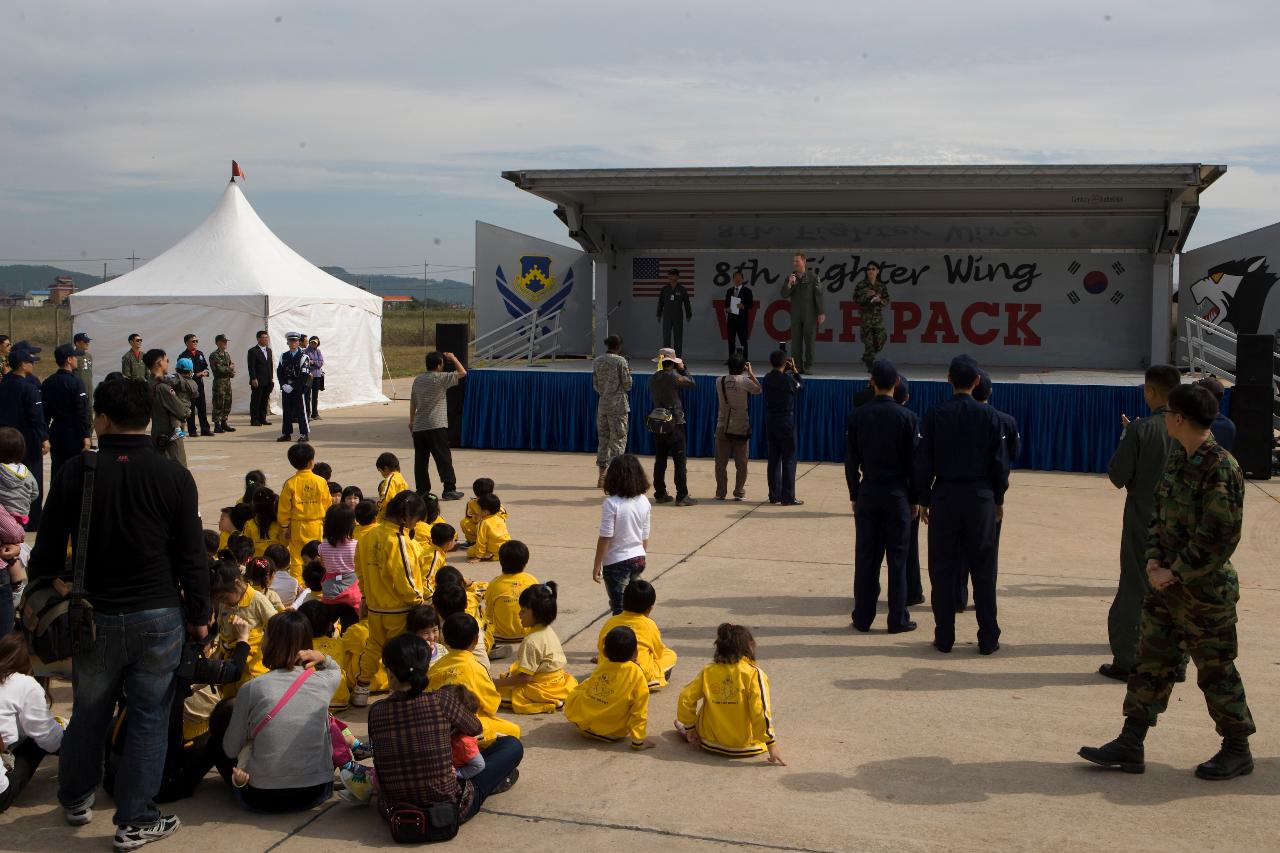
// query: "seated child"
[[393, 482], [502, 598], [241, 548], [471, 520], [323, 641], [354, 640], [435, 554], [433, 516], [613, 702], [335, 493], [459, 666], [537, 682], [313, 580], [234, 597], [653, 657], [726, 709], [475, 591], [467, 760], [351, 495], [492, 531], [366, 513], [323, 469], [282, 582], [259, 571], [211, 544], [450, 597], [424, 622], [263, 528], [231, 521], [337, 553]]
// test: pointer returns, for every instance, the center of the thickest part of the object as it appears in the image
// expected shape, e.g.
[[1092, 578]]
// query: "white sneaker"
[[81, 813], [360, 696], [133, 836]]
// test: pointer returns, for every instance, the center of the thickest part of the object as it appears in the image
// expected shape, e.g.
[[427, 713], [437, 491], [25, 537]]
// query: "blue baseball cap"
[[185, 363]]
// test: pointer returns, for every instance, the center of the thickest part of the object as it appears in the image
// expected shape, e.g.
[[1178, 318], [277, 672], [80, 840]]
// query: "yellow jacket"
[[502, 603], [422, 531], [461, 667], [388, 488], [262, 541], [476, 607], [729, 705], [491, 536], [353, 643], [361, 530], [653, 657], [254, 608], [334, 648], [430, 561], [304, 500], [612, 703], [387, 566], [471, 520]]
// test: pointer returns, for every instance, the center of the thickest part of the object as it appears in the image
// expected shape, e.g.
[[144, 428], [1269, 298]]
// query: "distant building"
[[35, 299], [62, 287], [394, 301]]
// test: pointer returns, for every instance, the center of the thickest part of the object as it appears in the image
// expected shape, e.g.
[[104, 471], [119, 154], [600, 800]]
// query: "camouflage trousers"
[[612, 429], [221, 400], [873, 338], [1199, 621]]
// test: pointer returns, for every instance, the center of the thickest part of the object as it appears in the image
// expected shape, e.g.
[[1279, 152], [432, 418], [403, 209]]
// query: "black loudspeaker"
[[453, 337], [1254, 354], [1251, 409]]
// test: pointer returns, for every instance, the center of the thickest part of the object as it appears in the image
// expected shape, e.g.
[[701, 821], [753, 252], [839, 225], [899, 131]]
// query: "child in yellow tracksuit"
[[726, 709], [366, 518], [492, 532], [502, 597], [393, 482], [262, 528], [459, 666], [303, 502], [323, 641], [537, 682], [354, 640], [653, 656], [235, 598], [442, 540], [471, 518], [387, 565], [613, 702]]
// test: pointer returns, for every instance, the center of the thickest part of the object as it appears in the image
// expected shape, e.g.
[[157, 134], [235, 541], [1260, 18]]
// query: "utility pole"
[[133, 259], [104, 271], [424, 304]]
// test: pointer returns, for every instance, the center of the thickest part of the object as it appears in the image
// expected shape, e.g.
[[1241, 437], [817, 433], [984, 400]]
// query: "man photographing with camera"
[[780, 387]]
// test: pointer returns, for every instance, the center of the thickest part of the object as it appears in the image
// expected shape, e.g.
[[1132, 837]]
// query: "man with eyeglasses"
[[199, 370], [131, 364]]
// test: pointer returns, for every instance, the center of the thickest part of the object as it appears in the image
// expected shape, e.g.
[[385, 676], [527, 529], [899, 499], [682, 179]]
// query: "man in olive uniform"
[[84, 370], [65, 405], [807, 314], [611, 378], [168, 411], [1192, 603], [132, 364], [224, 370], [674, 308], [872, 296], [1137, 466]]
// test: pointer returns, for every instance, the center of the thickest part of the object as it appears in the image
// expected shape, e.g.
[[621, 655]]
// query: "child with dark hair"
[[393, 482], [323, 641], [424, 621], [459, 666], [624, 528], [337, 553], [253, 481], [366, 513], [28, 729], [304, 499], [335, 493], [471, 519], [323, 469], [654, 657], [450, 597], [235, 598], [263, 528], [613, 702], [281, 587], [313, 580], [537, 682], [351, 495], [492, 530], [443, 540], [726, 709], [259, 572], [502, 597], [211, 544], [241, 548]]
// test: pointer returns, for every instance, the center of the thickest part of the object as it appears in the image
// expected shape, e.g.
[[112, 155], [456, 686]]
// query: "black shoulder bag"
[[412, 825], [57, 621], [731, 436]]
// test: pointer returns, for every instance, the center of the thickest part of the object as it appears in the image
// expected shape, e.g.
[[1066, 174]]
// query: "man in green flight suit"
[[84, 371], [1137, 466], [168, 411], [131, 363], [1194, 590], [872, 296], [224, 370], [807, 314]]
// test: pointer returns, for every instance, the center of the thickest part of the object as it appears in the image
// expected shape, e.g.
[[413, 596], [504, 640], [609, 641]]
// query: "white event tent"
[[233, 276]]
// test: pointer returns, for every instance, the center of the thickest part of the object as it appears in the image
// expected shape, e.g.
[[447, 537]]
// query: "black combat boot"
[[1124, 753], [1234, 759], [217, 427], [226, 427]]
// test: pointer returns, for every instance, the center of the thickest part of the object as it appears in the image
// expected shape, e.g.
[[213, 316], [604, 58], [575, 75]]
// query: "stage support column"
[[600, 264], [1161, 307]]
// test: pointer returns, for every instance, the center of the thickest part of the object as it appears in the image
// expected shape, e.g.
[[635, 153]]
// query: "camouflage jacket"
[[1199, 510], [221, 365], [611, 378], [863, 292]]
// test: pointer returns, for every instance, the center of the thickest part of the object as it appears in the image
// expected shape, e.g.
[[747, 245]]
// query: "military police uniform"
[[806, 305], [84, 370], [611, 378], [294, 375], [223, 370], [871, 317], [66, 413], [22, 408]]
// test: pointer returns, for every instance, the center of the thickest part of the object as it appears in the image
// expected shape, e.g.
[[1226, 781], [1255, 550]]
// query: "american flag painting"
[[649, 274]]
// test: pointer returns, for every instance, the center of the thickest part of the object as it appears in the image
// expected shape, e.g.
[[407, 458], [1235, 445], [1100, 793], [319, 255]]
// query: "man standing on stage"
[[872, 296], [807, 314], [224, 370], [261, 380], [294, 375], [737, 315], [611, 379], [674, 308], [199, 405]]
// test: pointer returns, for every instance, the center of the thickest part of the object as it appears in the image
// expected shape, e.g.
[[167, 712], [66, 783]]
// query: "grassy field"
[[407, 333]]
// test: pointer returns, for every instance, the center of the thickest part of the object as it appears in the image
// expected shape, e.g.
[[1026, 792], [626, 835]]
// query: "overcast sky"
[[374, 137]]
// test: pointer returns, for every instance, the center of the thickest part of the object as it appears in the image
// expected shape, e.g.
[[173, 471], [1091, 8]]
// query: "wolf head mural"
[[1233, 294]]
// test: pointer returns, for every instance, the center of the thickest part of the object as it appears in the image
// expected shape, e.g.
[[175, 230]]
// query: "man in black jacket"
[[738, 302], [147, 578], [294, 374], [199, 403], [261, 379]]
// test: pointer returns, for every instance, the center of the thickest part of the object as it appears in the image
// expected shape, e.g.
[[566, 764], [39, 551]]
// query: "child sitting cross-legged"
[[613, 702], [653, 657], [451, 597], [471, 519], [492, 531], [313, 580], [260, 572], [459, 666], [234, 597], [424, 622], [537, 682], [366, 512], [321, 621], [467, 760], [502, 598], [393, 482]]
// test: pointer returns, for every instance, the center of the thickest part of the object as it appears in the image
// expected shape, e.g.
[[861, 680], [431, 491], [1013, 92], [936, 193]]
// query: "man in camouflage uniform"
[[611, 377], [872, 296], [224, 370], [1192, 603]]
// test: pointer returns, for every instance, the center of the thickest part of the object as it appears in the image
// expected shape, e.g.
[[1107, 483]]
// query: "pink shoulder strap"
[[306, 673]]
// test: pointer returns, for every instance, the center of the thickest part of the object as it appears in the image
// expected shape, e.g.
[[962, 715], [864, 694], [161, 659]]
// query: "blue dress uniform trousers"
[[962, 533]]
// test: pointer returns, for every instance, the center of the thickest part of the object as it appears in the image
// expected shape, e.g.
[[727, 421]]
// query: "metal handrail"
[[1199, 351], [525, 342]]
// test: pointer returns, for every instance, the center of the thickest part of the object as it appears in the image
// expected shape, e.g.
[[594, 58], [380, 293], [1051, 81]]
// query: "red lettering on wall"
[[722, 321], [1020, 332], [848, 320], [823, 335], [939, 324], [771, 313], [991, 309], [906, 316]]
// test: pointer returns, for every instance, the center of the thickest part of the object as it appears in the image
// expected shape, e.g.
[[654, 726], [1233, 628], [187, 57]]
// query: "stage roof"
[[1135, 208]]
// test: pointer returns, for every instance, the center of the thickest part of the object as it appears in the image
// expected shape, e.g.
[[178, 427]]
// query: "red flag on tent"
[[236, 171]]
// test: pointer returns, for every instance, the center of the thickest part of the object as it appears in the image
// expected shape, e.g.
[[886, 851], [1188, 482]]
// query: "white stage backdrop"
[[1087, 310]]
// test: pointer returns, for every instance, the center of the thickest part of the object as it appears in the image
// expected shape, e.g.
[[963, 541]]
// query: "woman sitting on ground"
[[28, 731]]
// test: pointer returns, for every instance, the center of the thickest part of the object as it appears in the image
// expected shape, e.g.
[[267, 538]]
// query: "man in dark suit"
[[261, 379], [200, 369], [737, 314]]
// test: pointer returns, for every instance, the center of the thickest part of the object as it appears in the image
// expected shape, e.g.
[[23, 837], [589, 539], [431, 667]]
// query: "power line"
[[64, 260]]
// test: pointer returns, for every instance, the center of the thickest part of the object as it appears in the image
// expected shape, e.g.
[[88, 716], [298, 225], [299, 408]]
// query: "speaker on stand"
[[1252, 404], [454, 338]]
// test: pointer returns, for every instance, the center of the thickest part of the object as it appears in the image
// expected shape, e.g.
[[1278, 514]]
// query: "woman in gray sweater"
[[289, 763]]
